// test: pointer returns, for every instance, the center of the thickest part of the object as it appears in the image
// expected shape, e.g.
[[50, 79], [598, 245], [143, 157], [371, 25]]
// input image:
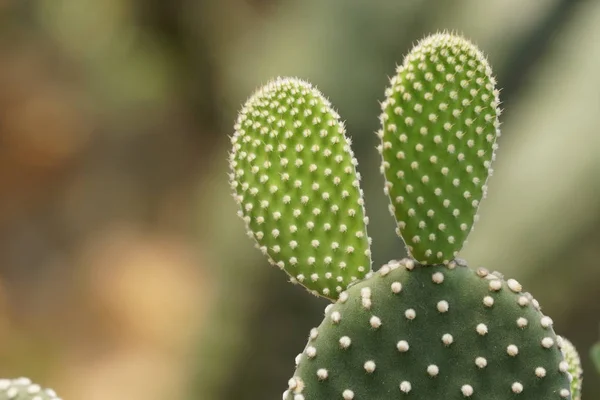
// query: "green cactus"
[[439, 129], [425, 327], [294, 177], [415, 330], [574, 367], [24, 389]]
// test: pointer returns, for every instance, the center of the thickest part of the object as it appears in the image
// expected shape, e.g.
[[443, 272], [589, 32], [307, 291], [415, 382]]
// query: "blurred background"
[[124, 272]]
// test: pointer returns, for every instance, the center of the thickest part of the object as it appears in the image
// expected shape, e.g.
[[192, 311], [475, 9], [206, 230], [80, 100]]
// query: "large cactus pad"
[[294, 177], [429, 333], [439, 128], [24, 389]]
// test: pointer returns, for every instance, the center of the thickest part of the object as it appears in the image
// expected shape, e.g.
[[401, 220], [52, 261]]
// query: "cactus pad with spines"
[[24, 389], [439, 128], [432, 332], [294, 177], [573, 365]]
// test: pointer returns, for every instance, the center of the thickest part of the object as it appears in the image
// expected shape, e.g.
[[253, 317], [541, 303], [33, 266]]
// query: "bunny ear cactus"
[[294, 177], [24, 389], [426, 327], [439, 129]]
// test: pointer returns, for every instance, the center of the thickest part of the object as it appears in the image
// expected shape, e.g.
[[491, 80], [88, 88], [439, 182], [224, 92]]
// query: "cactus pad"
[[24, 389], [573, 365], [294, 177], [426, 333], [439, 129]]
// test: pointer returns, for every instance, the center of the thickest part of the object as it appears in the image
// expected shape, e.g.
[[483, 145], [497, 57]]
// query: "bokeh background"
[[124, 272]]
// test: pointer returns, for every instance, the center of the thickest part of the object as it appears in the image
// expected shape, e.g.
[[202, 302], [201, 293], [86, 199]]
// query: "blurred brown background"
[[124, 272]]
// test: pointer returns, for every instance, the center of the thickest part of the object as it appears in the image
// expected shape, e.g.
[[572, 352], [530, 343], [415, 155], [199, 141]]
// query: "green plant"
[[24, 389], [426, 326]]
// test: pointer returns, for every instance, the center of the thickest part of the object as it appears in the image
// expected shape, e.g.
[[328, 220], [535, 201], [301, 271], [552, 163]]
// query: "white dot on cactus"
[[535, 304], [450, 239], [564, 393], [517, 387], [405, 386], [369, 366], [396, 287], [409, 264], [447, 339], [402, 346], [512, 350], [523, 301], [445, 171], [547, 342], [563, 366], [443, 306], [410, 314], [322, 374], [348, 394], [514, 285], [437, 277], [311, 351], [433, 370], [481, 362], [540, 372], [481, 329], [467, 390], [546, 322], [522, 322], [375, 322], [345, 342], [446, 203], [495, 285]]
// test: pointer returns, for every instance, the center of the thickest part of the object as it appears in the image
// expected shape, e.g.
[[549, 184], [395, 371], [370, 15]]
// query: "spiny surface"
[[294, 177], [439, 129], [573, 365], [24, 389], [428, 333]]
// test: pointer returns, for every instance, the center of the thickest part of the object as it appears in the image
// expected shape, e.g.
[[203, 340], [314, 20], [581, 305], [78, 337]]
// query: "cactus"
[[24, 389], [415, 330], [424, 327], [294, 176], [439, 129], [574, 367]]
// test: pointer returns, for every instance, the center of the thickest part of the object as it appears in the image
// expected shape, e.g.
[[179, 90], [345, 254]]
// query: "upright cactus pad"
[[439, 129], [424, 333], [574, 367], [294, 177], [24, 389]]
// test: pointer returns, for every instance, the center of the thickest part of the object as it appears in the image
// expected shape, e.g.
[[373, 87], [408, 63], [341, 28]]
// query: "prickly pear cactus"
[[418, 331], [294, 177], [572, 364], [439, 129], [427, 327], [24, 389]]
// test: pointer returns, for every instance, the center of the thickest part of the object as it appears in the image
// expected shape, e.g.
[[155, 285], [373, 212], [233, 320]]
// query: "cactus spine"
[[424, 327]]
